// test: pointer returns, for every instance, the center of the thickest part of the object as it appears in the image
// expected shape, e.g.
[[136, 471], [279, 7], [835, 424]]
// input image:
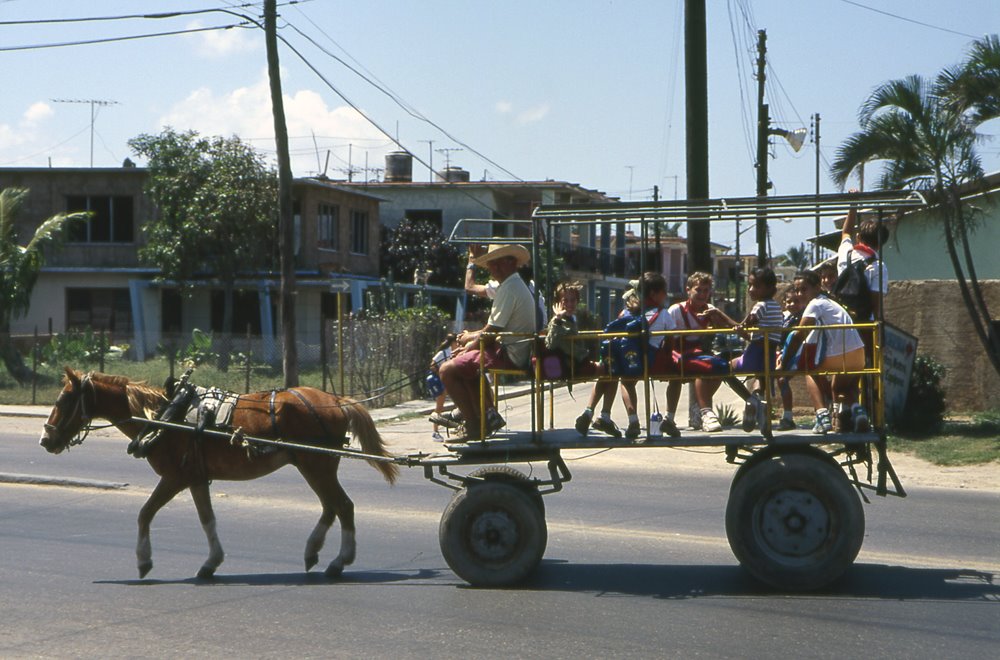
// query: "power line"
[[88, 42], [910, 20]]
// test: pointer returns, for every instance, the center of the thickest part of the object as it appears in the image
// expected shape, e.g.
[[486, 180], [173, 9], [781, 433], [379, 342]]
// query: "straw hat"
[[499, 251]]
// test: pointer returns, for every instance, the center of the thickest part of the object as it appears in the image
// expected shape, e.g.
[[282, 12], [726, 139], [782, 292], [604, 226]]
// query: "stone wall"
[[933, 311]]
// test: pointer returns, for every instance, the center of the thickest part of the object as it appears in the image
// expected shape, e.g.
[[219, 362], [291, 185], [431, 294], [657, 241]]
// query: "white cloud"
[[531, 115], [38, 111], [246, 112], [503, 107], [222, 43]]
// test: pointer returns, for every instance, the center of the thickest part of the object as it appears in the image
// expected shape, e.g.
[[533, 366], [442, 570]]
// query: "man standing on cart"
[[513, 311]]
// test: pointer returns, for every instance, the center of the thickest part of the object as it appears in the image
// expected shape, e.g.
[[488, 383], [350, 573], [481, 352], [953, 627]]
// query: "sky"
[[586, 91]]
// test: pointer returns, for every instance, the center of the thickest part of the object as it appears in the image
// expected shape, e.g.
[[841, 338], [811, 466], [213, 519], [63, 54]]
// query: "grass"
[[155, 371], [963, 441]]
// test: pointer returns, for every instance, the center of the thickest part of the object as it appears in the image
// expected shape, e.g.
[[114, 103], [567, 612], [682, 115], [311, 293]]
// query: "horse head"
[[71, 413]]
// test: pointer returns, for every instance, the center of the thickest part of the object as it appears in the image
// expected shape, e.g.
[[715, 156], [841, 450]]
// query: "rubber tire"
[[492, 534], [507, 474], [779, 498]]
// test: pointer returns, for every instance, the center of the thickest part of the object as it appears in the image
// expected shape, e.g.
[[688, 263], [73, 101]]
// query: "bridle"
[[86, 402]]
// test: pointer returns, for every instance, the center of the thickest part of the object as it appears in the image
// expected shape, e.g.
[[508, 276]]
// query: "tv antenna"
[[94, 103], [447, 154]]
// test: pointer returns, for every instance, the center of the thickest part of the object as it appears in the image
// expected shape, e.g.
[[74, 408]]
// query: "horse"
[[183, 459]]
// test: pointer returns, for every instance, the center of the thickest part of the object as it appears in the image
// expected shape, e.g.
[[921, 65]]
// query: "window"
[[99, 309], [111, 220], [328, 226], [171, 307], [359, 232], [246, 312]]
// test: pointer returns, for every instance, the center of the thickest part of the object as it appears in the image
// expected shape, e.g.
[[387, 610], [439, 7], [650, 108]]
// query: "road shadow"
[[874, 581], [300, 579]]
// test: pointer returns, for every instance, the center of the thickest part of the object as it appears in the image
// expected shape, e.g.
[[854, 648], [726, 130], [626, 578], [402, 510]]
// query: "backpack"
[[626, 354], [851, 290]]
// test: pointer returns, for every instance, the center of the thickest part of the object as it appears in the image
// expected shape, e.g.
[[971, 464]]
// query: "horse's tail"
[[363, 428]]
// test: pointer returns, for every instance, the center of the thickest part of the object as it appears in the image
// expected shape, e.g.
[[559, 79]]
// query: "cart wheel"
[[795, 522], [507, 474], [492, 534]]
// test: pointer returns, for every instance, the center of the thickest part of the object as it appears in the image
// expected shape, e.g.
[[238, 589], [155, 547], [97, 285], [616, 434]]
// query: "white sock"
[[605, 415], [670, 415], [633, 418], [786, 415]]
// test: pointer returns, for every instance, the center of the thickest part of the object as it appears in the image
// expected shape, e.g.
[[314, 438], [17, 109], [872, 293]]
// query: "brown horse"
[[184, 461]]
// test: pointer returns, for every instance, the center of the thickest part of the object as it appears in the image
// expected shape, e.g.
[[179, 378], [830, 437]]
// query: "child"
[[827, 276], [827, 350], [691, 314], [765, 315], [791, 313], [443, 354]]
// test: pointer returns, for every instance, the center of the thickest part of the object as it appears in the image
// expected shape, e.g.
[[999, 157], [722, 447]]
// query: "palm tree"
[[19, 267], [797, 256], [973, 87], [928, 143]]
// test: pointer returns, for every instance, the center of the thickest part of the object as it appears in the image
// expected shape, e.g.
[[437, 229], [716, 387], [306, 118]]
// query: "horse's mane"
[[143, 399]]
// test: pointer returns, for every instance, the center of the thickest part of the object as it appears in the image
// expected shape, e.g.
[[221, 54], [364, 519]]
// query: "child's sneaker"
[[751, 411], [633, 431], [494, 422], [436, 437], [823, 423], [667, 427], [861, 422], [710, 422], [607, 425], [583, 423], [786, 424]]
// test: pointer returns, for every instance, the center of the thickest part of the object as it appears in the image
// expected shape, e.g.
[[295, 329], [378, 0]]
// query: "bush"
[[925, 402]]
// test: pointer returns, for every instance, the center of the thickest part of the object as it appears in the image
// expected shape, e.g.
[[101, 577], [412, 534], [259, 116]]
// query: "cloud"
[[222, 43], [531, 115], [38, 111], [504, 107], [246, 112]]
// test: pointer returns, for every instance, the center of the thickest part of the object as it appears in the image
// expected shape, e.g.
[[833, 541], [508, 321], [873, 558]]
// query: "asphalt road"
[[637, 565]]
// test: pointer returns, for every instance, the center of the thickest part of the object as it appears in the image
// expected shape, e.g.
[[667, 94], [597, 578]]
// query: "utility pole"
[[93, 115], [816, 142], [763, 124], [696, 130], [286, 235], [430, 159]]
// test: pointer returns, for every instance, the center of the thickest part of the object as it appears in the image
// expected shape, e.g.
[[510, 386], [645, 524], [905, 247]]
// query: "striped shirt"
[[766, 314]]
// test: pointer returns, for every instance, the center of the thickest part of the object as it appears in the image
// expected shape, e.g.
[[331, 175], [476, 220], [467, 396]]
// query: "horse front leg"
[[165, 491], [203, 502]]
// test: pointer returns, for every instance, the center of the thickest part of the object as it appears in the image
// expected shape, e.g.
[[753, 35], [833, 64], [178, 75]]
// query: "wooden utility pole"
[[816, 247], [286, 235], [763, 126], [696, 127]]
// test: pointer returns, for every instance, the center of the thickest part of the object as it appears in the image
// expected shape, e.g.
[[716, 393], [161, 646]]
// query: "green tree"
[[217, 211], [797, 256], [927, 139], [19, 267], [973, 87], [417, 247]]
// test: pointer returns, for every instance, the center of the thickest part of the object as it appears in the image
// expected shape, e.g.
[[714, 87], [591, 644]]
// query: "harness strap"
[[274, 417], [312, 409]]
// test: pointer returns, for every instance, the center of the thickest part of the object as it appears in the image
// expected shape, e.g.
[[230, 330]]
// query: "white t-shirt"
[[836, 341], [543, 313], [514, 311], [685, 318], [659, 320]]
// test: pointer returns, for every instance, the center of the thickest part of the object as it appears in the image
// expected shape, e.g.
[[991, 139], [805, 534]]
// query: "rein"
[[86, 407]]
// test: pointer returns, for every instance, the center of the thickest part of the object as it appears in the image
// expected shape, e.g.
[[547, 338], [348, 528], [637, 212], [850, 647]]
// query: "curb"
[[66, 482]]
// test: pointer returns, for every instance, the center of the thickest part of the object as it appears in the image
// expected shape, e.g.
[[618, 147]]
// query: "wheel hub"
[[794, 523], [493, 535]]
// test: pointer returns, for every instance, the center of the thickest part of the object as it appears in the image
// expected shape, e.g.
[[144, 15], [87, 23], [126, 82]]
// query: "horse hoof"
[[206, 573], [334, 572], [311, 561], [144, 568]]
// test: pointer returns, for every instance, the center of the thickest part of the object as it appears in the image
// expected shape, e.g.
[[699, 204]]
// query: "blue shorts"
[[752, 360]]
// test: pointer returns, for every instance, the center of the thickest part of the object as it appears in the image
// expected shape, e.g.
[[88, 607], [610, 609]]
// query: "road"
[[637, 565]]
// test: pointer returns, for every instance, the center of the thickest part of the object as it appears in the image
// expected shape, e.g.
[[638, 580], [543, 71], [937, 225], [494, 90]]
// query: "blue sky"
[[588, 91]]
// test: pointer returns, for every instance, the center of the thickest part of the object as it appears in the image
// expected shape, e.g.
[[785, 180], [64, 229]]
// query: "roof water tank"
[[454, 174], [398, 167]]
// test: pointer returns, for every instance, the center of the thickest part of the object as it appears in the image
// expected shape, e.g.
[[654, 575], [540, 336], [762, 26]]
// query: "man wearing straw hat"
[[513, 311]]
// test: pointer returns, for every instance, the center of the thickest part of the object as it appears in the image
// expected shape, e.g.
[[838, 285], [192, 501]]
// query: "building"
[[95, 279]]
